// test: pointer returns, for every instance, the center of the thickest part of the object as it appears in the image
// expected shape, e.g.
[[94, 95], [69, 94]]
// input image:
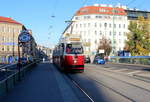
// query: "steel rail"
[[79, 87], [124, 82], [134, 76], [106, 86]]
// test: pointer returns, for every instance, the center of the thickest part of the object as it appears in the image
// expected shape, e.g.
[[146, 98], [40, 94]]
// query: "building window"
[[7, 48], [110, 33], [14, 30], [80, 32], [87, 17], [100, 32], [110, 25], [119, 25], [3, 38], [95, 24], [114, 25], [120, 33], [114, 41], [76, 25], [124, 33], [114, 32], [2, 29], [76, 18], [84, 24], [89, 48], [119, 40], [95, 32], [95, 41], [98, 16], [124, 26], [2, 48], [88, 24], [100, 25], [105, 25], [80, 25]]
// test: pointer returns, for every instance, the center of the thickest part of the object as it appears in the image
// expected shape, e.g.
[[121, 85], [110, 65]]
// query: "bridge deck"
[[39, 85]]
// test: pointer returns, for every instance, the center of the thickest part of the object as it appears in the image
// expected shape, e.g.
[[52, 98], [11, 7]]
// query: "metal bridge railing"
[[9, 80], [145, 60]]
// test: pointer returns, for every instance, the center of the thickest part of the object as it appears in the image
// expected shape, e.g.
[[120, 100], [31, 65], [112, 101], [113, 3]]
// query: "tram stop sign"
[[24, 37]]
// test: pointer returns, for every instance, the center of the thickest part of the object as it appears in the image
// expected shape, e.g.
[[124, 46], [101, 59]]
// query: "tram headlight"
[[75, 61]]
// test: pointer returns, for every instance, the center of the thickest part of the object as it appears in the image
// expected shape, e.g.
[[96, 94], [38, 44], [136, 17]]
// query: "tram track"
[[80, 88], [75, 84], [106, 86], [100, 84], [113, 89], [122, 81], [124, 74], [74, 79]]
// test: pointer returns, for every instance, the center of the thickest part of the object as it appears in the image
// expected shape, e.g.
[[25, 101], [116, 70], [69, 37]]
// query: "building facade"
[[92, 23], [44, 52], [9, 31]]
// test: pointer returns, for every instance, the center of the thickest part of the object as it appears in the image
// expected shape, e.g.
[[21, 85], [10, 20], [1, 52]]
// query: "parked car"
[[99, 60], [87, 60]]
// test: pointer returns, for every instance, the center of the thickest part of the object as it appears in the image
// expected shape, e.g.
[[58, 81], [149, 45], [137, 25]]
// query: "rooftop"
[[8, 20], [101, 9]]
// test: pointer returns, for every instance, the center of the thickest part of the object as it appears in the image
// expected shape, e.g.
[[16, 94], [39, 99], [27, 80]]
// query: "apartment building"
[[9, 31], [92, 23]]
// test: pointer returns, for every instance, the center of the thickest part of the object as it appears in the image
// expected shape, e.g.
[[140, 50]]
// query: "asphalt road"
[[104, 85], [100, 83], [128, 66]]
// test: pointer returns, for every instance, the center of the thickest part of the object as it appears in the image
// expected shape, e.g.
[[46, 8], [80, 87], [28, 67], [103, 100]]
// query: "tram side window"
[[62, 45], [68, 48]]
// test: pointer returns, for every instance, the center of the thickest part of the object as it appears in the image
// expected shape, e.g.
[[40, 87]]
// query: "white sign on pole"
[[101, 51]]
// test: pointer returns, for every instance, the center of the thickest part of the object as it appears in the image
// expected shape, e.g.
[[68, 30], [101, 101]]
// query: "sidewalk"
[[43, 84]]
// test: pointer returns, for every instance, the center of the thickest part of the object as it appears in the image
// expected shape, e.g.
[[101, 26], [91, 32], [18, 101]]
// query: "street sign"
[[24, 37], [101, 51]]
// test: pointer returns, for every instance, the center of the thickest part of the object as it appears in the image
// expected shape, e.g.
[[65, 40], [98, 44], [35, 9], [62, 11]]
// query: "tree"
[[105, 45], [138, 39]]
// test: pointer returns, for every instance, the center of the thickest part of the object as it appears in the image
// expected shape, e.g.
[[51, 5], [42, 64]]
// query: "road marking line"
[[131, 73], [119, 70]]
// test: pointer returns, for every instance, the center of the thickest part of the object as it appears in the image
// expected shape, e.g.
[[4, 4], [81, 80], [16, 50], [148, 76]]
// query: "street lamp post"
[[23, 38]]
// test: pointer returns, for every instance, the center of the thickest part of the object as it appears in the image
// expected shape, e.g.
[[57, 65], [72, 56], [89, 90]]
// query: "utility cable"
[[132, 1], [55, 8]]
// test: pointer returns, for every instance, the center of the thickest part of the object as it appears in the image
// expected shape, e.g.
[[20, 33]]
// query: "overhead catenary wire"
[[132, 1], [70, 21], [84, 2], [52, 16], [55, 8]]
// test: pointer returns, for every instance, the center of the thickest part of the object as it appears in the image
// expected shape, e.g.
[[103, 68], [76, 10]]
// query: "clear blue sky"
[[36, 14]]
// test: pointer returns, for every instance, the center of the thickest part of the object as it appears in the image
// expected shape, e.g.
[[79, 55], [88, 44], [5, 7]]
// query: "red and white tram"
[[68, 55]]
